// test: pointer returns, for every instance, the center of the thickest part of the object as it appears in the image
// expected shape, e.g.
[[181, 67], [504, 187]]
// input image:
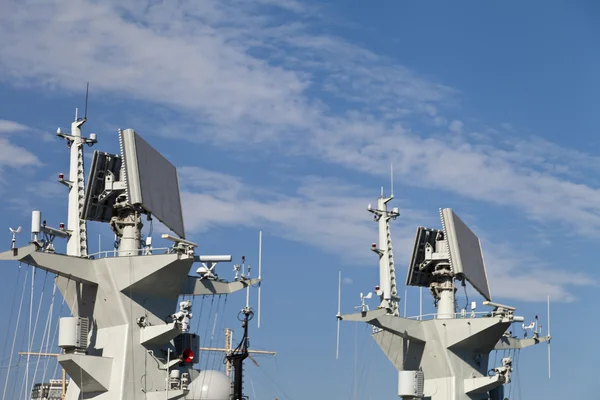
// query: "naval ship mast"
[[124, 340], [446, 357]]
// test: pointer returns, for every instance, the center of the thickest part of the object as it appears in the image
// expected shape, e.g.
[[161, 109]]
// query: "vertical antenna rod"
[[550, 338], [87, 89], [337, 346], [392, 179], [259, 273]]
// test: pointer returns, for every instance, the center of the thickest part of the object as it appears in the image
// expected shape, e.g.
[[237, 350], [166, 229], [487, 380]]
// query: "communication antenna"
[[339, 315], [87, 89], [392, 179], [549, 340], [259, 274]]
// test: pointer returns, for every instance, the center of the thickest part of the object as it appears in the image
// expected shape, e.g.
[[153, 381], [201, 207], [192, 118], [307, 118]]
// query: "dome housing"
[[210, 385]]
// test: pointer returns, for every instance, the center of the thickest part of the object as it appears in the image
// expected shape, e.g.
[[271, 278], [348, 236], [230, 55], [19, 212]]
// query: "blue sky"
[[284, 116]]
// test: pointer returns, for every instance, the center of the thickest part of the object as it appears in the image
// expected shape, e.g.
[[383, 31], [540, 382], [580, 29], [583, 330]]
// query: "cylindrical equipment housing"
[[67, 333], [410, 384], [36, 222]]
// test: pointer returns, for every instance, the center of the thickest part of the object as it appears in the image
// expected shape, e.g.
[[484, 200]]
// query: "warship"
[[129, 335], [444, 355]]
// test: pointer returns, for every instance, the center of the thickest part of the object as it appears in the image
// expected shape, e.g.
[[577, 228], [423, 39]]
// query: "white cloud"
[[11, 126], [456, 126], [238, 75], [331, 215]]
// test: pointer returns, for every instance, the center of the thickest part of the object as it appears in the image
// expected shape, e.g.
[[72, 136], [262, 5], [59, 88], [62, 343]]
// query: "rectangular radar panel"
[[466, 257], [99, 195], [419, 271], [152, 181]]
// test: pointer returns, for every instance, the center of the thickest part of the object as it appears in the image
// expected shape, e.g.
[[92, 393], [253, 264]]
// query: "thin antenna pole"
[[248, 296], [87, 89], [392, 179], [549, 365], [259, 272], [337, 347]]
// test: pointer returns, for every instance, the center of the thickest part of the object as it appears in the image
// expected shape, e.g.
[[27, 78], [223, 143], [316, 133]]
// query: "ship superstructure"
[[443, 356], [129, 336]]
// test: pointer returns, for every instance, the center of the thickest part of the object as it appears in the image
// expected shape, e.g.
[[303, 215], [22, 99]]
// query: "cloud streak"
[[262, 74], [331, 215]]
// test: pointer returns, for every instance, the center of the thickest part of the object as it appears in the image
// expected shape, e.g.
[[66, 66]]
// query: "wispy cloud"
[[331, 215], [12, 155], [263, 73], [7, 126]]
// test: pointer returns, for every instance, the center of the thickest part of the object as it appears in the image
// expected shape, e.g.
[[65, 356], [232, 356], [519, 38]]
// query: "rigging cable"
[[29, 334], [12, 311], [46, 334], [274, 383], [206, 335], [57, 325], [212, 301], [15, 335], [47, 349], [215, 363], [33, 334]]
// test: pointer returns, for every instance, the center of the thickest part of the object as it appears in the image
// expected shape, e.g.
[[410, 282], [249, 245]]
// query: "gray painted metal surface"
[[466, 257], [152, 181]]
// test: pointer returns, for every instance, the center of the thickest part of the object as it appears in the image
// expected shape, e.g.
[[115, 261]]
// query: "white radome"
[[210, 385]]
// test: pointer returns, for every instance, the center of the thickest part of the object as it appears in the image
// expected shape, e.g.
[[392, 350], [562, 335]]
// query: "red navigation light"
[[61, 176], [376, 288], [187, 356]]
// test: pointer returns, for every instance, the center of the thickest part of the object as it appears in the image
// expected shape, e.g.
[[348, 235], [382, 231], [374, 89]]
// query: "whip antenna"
[[337, 346], [87, 89], [549, 340], [259, 273]]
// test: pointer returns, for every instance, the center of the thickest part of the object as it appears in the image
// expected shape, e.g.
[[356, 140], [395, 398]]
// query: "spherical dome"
[[210, 385]]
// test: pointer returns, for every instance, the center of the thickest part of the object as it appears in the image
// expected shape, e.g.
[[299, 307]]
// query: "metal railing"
[[458, 315], [136, 252]]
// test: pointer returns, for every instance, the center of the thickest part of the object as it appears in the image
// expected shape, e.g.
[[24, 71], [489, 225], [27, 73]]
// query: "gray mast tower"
[[445, 357], [125, 340]]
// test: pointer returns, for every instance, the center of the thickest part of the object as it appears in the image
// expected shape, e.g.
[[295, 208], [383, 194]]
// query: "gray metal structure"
[[122, 341], [445, 357]]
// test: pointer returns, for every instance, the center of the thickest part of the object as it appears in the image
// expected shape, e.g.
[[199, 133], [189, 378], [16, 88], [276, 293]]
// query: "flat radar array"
[[140, 179], [442, 255]]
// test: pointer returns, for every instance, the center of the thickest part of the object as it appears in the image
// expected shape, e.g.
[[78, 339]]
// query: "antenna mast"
[[77, 227], [387, 289]]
